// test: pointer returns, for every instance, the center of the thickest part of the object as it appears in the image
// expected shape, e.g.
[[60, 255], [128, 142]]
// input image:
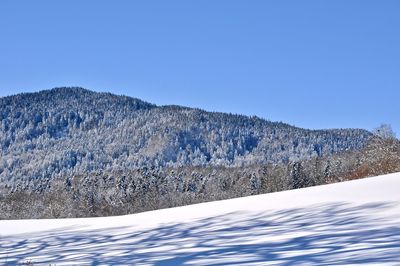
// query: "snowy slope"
[[356, 222]]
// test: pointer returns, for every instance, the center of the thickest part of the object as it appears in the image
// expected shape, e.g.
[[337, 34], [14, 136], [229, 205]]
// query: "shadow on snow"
[[329, 234]]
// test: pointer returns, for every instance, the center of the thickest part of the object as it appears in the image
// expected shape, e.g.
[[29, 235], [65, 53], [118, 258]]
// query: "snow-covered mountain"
[[349, 223], [68, 131]]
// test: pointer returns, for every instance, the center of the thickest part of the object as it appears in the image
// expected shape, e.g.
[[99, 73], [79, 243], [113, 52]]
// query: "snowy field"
[[350, 223]]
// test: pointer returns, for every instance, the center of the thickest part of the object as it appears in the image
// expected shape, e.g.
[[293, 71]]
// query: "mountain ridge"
[[78, 89], [69, 130]]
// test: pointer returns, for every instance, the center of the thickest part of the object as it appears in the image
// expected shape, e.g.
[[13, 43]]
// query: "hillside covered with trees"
[[67, 131], [70, 152]]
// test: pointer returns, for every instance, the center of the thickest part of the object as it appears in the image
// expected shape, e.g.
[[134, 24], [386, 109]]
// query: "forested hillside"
[[116, 192], [67, 131]]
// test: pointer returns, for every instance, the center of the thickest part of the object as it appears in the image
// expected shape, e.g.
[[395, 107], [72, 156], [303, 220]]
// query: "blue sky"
[[314, 64]]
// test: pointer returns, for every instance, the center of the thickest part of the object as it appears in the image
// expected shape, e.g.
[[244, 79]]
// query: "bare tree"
[[384, 131]]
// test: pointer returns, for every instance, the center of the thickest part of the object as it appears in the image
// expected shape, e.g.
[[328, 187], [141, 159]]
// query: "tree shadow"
[[326, 234]]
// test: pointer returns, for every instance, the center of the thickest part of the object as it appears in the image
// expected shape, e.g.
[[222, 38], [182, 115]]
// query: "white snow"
[[349, 223]]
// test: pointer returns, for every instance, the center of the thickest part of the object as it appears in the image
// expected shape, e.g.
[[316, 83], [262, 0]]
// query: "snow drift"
[[354, 222]]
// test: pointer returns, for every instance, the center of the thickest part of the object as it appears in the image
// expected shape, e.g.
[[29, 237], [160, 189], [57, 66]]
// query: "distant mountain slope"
[[64, 131]]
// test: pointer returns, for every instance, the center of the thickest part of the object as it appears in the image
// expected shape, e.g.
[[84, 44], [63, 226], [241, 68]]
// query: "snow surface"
[[349, 223]]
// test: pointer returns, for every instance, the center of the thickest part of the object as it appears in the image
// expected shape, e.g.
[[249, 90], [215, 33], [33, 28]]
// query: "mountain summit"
[[64, 131]]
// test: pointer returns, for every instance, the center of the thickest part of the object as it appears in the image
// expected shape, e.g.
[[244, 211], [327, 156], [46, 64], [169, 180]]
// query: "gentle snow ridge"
[[349, 223]]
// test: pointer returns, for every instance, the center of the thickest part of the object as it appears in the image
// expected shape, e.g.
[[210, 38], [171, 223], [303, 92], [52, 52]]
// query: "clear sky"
[[314, 64]]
